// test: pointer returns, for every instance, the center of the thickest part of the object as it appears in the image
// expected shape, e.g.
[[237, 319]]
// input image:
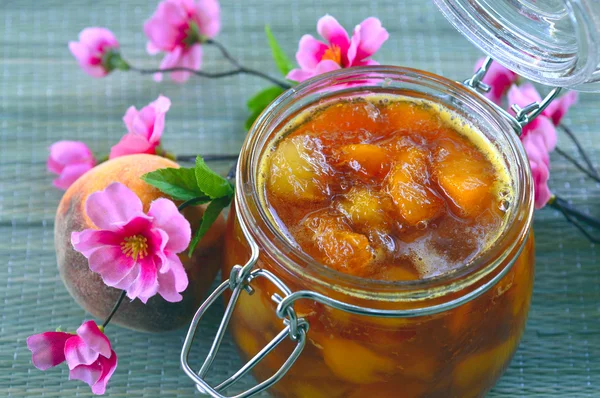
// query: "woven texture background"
[[44, 97]]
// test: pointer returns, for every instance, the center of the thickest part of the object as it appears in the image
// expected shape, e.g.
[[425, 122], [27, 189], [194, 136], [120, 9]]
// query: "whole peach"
[[88, 289]]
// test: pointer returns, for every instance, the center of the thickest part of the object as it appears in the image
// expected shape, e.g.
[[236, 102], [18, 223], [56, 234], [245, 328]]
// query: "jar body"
[[468, 322], [460, 352]]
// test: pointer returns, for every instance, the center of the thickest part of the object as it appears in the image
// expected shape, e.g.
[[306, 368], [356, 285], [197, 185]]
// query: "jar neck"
[[485, 118]]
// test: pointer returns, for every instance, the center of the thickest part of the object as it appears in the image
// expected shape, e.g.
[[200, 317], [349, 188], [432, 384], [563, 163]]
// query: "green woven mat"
[[44, 97]]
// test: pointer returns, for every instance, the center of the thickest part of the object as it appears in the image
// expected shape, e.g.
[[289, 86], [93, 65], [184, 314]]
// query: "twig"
[[215, 75], [582, 152], [573, 216], [575, 163], [115, 308]]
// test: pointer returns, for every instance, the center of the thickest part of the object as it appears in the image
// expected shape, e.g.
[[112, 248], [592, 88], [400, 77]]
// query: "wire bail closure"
[[524, 115]]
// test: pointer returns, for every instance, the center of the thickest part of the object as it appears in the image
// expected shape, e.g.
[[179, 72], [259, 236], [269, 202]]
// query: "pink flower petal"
[[89, 374], [169, 219], [334, 33], [48, 349], [78, 353], [545, 128], [115, 204], [523, 95], [310, 52], [368, 38], [164, 28], [559, 107], [89, 240], [68, 152], [70, 174], [143, 123], [146, 284], [208, 17], [112, 265], [327, 66], [299, 75], [131, 144], [108, 368], [191, 59], [174, 281], [94, 338], [129, 117], [98, 38], [152, 49], [540, 175]]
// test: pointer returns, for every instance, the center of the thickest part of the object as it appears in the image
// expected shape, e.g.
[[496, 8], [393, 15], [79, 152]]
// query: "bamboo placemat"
[[44, 97]]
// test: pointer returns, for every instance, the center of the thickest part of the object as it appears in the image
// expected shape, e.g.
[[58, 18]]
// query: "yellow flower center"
[[135, 246], [333, 53]]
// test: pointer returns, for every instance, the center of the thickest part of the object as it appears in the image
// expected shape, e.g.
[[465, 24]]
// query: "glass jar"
[[456, 333]]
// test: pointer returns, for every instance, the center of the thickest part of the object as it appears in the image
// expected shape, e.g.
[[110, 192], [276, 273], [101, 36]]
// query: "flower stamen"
[[333, 53], [135, 246]]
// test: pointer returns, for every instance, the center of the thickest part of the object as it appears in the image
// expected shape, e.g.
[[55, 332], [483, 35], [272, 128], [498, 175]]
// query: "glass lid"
[[552, 42]]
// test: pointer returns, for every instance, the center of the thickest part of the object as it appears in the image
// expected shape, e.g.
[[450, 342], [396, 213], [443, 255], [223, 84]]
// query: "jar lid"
[[552, 42]]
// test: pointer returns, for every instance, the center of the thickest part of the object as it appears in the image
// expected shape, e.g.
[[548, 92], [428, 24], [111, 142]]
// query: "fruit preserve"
[[393, 190]]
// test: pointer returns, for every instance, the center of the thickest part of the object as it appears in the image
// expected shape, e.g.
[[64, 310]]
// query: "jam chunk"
[[465, 177], [338, 246], [299, 170], [366, 209], [367, 160], [408, 185]]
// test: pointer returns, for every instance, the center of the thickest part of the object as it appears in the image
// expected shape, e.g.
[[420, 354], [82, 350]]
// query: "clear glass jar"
[[447, 351]]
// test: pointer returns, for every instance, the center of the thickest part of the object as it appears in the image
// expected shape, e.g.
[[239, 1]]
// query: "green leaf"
[[260, 101], [281, 59], [250, 120], [210, 215], [179, 184], [264, 97], [209, 182]]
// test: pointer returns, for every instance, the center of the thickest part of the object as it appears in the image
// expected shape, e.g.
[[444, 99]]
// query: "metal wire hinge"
[[522, 115], [294, 328]]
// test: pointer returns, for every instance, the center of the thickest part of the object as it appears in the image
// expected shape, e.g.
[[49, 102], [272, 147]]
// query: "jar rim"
[[299, 264]]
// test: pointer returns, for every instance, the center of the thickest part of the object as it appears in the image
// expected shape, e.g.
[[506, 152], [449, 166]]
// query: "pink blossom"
[[498, 78], [88, 354], [93, 49], [559, 107], [144, 128], [70, 160], [340, 51], [539, 161], [132, 250], [178, 27]]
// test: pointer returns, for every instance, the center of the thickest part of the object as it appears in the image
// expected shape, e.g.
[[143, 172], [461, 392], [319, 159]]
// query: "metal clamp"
[[524, 115], [294, 328]]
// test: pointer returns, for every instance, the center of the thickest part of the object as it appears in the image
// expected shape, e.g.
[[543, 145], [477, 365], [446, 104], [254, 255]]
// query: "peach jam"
[[385, 187], [393, 190]]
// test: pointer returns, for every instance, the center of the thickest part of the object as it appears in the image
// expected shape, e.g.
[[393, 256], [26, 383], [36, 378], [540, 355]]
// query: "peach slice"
[[365, 159], [355, 363], [340, 248], [366, 208], [299, 170], [408, 185], [465, 177]]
